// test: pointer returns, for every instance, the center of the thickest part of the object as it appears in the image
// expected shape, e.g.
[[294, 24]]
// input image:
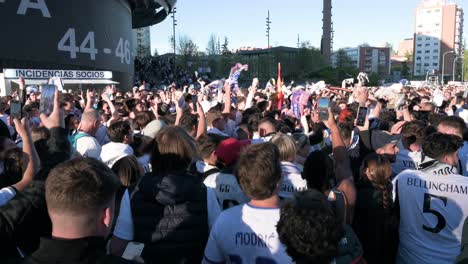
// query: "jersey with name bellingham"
[[246, 234], [432, 212]]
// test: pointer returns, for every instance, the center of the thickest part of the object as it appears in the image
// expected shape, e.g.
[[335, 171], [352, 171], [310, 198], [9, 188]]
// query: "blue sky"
[[243, 22]]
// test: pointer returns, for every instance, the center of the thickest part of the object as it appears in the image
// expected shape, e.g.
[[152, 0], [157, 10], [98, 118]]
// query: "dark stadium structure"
[[79, 35]]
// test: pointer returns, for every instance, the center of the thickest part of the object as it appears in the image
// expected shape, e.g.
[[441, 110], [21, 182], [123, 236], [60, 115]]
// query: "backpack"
[[74, 138]]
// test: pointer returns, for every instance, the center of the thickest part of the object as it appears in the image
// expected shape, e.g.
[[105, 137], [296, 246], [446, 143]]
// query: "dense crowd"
[[226, 174]]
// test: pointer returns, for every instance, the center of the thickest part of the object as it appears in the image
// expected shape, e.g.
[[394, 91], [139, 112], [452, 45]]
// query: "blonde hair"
[[174, 151], [286, 145]]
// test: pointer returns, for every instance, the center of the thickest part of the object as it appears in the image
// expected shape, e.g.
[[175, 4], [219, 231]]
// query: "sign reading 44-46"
[[88, 33]]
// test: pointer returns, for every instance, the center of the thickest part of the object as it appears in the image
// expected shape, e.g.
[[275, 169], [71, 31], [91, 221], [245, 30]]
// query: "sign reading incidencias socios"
[[47, 74]]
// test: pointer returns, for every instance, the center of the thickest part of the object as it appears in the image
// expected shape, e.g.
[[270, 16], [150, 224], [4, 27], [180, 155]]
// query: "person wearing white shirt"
[[84, 141], [121, 136], [409, 155], [224, 183], [292, 180], [207, 145], [441, 154], [247, 233], [432, 211], [170, 210], [267, 128], [453, 125]]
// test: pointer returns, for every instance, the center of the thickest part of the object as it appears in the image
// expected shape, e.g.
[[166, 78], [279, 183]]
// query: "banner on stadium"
[[63, 74]]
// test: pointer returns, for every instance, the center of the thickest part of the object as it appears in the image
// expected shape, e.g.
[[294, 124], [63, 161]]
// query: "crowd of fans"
[[223, 175]]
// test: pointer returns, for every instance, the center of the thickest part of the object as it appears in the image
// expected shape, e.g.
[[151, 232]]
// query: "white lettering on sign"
[[39, 4], [47, 74]]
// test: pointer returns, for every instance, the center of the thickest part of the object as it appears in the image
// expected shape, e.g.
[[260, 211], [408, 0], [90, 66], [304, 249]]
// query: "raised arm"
[[252, 91], [227, 100], [201, 121], [343, 173], [22, 127]]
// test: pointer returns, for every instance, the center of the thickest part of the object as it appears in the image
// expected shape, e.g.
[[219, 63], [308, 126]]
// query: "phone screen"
[[15, 110], [133, 250], [323, 104], [361, 117], [47, 99]]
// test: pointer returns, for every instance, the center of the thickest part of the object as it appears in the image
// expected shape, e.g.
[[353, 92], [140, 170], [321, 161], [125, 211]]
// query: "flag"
[[296, 103], [279, 86]]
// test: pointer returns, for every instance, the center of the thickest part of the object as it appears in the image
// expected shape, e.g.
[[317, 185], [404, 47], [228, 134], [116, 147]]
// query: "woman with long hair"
[[170, 210], [374, 220]]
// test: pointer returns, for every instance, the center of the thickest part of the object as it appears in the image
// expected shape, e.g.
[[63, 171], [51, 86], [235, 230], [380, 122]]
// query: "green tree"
[[225, 47], [343, 60], [374, 79], [155, 53]]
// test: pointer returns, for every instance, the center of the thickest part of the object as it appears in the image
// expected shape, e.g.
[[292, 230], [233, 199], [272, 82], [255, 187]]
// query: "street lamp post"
[[443, 64], [174, 24], [463, 71], [453, 70]]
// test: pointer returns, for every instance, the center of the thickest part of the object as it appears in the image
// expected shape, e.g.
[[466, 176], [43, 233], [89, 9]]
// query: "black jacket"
[[375, 226], [170, 216], [24, 219], [83, 251]]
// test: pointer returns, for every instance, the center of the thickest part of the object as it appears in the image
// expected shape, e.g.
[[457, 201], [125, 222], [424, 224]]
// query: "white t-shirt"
[[203, 167], [433, 209], [291, 180], [227, 189], [88, 147], [246, 234], [406, 160], [124, 227], [435, 167], [6, 194]]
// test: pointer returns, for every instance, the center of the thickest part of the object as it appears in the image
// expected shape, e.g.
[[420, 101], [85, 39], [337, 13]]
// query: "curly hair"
[[438, 145], [309, 228]]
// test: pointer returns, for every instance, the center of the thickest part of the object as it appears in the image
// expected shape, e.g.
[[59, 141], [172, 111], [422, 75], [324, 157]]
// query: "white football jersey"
[[433, 209], [246, 234], [437, 168], [227, 189], [291, 180], [406, 160]]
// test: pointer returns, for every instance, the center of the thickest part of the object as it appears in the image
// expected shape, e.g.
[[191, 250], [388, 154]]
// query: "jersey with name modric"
[[227, 189], [433, 209], [246, 234]]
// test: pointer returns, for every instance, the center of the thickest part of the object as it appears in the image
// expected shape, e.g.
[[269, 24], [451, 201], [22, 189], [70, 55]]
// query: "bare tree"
[[212, 48]]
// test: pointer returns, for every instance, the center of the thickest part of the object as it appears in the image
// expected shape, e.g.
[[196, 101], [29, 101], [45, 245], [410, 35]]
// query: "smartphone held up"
[[47, 99], [323, 105], [361, 116]]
